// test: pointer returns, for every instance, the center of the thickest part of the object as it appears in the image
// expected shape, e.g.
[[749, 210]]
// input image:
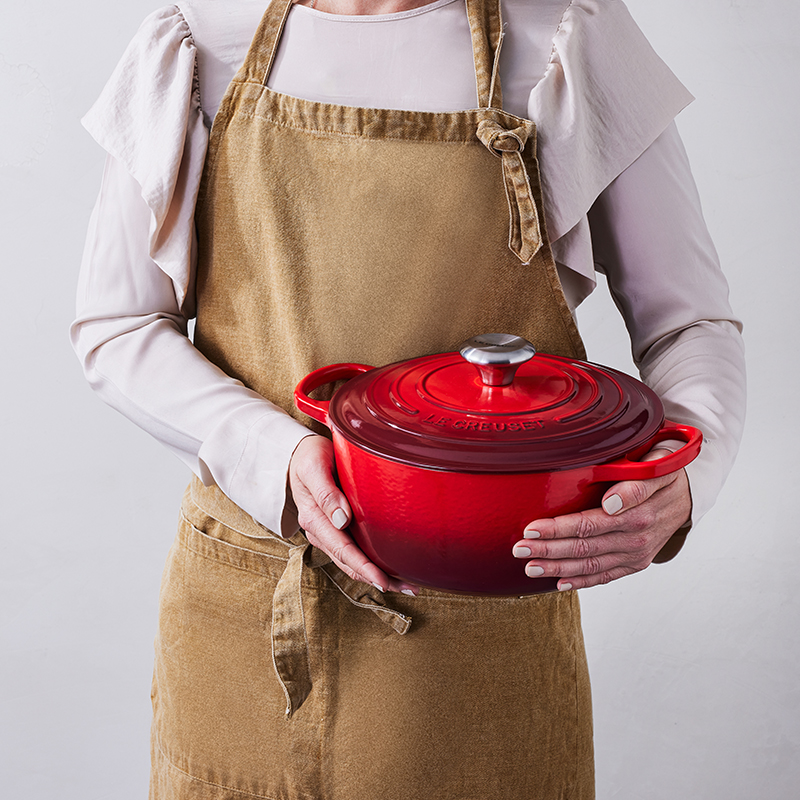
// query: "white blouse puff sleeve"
[[604, 132]]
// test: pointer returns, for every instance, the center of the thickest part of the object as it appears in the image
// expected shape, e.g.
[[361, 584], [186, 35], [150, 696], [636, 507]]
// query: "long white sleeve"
[[131, 337], [650, 239]]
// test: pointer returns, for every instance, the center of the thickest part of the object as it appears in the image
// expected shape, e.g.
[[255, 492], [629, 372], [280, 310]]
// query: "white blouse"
[[619, 197]]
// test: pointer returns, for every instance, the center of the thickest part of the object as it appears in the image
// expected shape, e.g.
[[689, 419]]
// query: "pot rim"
[[546, 420]]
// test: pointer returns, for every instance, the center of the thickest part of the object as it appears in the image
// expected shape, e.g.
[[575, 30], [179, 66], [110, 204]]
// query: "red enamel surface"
[[454, 531]]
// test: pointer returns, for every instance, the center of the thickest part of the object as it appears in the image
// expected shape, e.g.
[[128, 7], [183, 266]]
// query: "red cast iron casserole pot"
[[446, 458]]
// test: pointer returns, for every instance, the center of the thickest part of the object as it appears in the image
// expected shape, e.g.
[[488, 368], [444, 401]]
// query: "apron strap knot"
[[524, 236]]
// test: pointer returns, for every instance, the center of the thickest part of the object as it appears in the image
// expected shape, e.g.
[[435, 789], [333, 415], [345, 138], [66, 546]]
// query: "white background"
[[694, 664]]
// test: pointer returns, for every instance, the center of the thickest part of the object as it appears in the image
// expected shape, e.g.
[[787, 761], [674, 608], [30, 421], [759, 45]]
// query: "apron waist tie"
[[290, 648], [524, 235]]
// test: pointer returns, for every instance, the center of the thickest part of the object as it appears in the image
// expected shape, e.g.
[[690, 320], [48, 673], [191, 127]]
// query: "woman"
[[353, 207]]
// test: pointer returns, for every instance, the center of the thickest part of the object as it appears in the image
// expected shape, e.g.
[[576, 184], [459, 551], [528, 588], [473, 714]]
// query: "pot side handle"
[[318, 409], [627, 468]]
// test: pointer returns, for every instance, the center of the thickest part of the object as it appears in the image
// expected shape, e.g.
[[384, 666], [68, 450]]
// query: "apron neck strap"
[[485, 22], [261, 54]]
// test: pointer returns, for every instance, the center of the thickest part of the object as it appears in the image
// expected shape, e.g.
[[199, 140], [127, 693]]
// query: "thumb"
[[313, 463]]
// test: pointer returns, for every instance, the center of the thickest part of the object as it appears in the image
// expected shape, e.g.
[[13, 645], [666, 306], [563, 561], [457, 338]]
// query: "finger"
[[577, 567], [598, 579], [614, 551], [558, 550], [629, 494], [580, 525], [349, 557], [341, 548]]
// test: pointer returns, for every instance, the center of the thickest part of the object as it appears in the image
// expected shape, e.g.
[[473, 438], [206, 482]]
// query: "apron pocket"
[[219, 721]]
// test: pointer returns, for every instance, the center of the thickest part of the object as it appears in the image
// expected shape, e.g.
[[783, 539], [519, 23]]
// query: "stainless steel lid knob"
[[497, 356]]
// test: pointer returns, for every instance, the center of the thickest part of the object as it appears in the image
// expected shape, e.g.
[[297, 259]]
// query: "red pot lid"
[[440, 411]]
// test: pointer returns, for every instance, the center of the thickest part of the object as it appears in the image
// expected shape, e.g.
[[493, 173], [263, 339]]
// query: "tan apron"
[[331, 234]]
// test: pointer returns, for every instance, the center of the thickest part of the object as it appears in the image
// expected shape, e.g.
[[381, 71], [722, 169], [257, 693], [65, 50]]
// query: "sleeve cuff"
[[247, 455]]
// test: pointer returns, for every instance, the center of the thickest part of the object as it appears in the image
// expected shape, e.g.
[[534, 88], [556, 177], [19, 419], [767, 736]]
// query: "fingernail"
[[533, 572], [564, 587], [339, 518], [532, 535], [379, 588], [612, 505], [520, 551], [409, 592]]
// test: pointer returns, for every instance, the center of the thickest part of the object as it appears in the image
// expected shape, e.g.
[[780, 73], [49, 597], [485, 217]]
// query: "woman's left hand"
[[603, 544]]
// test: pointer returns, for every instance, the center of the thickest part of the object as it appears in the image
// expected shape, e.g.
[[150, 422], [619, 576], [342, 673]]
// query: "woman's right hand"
[[323, 512]]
